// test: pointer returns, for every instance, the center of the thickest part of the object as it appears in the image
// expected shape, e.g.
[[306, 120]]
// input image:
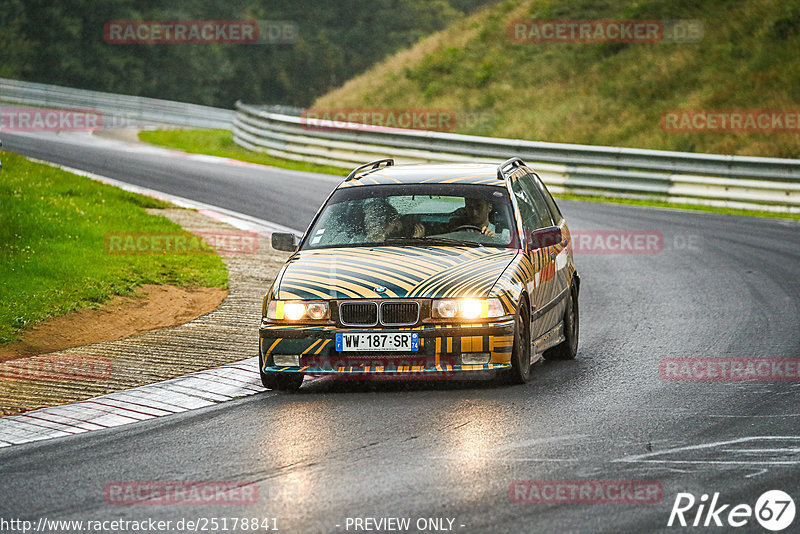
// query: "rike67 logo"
[[774, 510]]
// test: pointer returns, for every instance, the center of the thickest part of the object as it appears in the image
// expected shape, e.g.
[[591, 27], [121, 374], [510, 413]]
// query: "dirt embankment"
[[152, 308]]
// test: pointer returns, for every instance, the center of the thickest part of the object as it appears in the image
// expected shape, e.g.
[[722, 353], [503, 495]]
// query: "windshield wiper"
[[431, 241]]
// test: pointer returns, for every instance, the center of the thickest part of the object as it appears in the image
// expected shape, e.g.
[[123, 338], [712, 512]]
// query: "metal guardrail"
[[116, 110], [732, 181]]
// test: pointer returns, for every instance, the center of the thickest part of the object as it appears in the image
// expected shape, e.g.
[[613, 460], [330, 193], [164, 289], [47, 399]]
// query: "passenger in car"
[[381, 220], [344, 226], [475, 213]]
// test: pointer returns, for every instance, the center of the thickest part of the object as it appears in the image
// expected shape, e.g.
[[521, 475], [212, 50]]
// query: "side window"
[[540, 207], [548, 198]]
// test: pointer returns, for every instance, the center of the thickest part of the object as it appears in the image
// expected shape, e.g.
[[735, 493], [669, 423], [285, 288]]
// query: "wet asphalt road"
[[722, 286]]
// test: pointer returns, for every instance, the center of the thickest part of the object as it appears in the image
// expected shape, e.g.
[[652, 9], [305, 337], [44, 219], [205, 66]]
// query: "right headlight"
[[467, 308]]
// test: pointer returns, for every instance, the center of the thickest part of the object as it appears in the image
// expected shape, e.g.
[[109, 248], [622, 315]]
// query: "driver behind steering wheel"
[[474, 216]]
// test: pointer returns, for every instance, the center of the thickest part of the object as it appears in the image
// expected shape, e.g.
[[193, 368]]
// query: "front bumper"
[[440, 349]]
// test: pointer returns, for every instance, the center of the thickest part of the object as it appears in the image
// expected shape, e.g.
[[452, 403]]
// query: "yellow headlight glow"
[[471, 308], [294, 311], [467, 308]]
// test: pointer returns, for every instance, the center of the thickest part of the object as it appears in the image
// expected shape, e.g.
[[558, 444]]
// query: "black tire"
[[568, 349], [282, 381], [520, 371]]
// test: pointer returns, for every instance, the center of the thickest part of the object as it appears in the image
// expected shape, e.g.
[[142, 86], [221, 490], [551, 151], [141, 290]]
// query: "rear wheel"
[[567, 349], [282, 381], [520, 370]]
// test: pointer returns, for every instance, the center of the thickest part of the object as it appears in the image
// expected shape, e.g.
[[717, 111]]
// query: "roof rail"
[[373, 164], [512, 162]]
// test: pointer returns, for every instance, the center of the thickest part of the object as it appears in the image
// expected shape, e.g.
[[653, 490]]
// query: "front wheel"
[[520, 370], [282, 381], [567, 349]]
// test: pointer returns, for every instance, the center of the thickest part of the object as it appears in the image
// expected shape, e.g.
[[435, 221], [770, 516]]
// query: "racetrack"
[[723, 286]]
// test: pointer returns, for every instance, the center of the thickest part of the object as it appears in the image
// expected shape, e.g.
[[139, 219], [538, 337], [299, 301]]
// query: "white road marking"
[[762, 451], [760, 416], [758, 473], [723, 462], [652, 456]]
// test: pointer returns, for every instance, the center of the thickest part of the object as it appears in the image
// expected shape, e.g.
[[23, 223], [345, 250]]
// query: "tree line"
[[62, 42]]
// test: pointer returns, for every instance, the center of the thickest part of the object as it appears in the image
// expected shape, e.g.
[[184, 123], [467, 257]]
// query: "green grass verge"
[[220, 143], [52, 245]]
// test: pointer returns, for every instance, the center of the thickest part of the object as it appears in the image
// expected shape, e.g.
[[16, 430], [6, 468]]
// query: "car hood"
[[404, 272]]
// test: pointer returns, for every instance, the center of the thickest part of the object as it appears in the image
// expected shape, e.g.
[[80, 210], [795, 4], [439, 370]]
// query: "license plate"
[[397, 342]]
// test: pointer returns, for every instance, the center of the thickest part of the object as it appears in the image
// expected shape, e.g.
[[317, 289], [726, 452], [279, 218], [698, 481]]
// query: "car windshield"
[[419, 214]]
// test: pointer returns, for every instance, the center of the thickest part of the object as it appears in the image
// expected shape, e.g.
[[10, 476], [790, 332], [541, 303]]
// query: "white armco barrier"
[[115, 110], [727, 181]]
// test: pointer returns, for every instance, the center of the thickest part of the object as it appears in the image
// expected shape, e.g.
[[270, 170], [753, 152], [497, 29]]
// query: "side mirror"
[[545, 237], [285, 242]]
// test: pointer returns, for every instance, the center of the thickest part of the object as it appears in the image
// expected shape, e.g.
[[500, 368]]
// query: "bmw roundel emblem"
[[380, 289]]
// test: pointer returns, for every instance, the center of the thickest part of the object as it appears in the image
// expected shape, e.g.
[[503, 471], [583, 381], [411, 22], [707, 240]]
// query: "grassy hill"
[[602, 94]]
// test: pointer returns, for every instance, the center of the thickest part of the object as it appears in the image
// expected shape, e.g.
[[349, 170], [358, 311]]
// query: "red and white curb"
[[189, 392]]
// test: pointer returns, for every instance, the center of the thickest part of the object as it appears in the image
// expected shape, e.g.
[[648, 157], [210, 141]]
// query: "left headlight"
[[298, 310], [467, 308]]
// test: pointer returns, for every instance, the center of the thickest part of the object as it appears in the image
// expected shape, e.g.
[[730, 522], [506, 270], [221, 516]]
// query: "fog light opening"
[[475, 358], [286, 360]]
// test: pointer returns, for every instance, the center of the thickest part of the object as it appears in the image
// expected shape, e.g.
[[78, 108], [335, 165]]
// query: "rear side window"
[[548, 198], [532, 207]]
